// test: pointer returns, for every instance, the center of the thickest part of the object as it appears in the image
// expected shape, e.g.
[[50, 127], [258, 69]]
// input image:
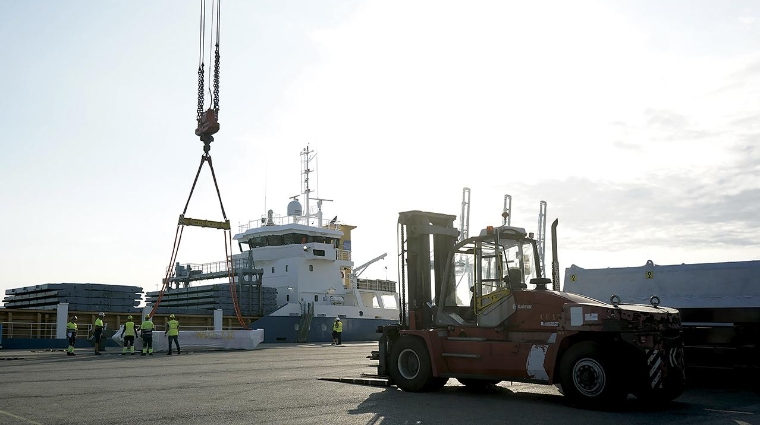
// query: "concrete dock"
[[280, 384]]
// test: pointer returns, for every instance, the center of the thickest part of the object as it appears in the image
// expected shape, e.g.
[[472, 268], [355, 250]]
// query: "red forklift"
[[479, 311]]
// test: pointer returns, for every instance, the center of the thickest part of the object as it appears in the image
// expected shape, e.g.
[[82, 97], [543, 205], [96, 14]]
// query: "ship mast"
[[308, 155]]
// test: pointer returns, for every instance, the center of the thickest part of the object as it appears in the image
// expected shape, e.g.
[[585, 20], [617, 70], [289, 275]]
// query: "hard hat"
[[147, 316], [129, 317], [101, 314], [73, 318], [171, 316], [337, 319]]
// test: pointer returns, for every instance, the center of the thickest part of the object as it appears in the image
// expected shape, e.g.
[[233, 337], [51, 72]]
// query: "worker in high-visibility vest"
[[129, 332], [98, 327], [71, 334], [146, 331], [173, 332], [337, 331]]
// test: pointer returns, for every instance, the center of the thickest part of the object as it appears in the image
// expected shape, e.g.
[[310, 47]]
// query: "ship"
[[300, 270]]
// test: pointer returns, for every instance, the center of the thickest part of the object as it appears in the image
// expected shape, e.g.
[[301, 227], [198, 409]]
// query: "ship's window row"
[[289, 239]]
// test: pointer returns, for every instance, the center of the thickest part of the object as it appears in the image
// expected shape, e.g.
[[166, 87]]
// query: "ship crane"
[[360, 269], [463, 266], [506, 213], [464, 219]]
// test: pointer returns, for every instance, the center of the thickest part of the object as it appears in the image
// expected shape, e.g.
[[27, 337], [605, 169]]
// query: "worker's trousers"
[[174, 338], [147, 345]]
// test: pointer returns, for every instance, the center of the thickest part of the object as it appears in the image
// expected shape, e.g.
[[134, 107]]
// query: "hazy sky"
[[638, 122]]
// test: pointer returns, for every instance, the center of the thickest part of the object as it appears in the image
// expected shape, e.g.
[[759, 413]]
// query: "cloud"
[[747, 21]]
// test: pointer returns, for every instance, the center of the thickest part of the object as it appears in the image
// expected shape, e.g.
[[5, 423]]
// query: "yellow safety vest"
[[173, 328], [98, 323], [71, 326], [129, 328], [338, 326]]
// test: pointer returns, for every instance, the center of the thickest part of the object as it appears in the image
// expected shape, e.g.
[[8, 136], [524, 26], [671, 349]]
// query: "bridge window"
[[316, 298], [272, 270], [286, 268], [311, 267], [257, 241]]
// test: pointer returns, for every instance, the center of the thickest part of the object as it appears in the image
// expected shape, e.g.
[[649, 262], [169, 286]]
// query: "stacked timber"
[[253, 299], [79, 296]]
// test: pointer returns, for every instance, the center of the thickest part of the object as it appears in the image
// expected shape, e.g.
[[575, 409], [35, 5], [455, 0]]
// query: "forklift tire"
[[589, 377], [410, 366]]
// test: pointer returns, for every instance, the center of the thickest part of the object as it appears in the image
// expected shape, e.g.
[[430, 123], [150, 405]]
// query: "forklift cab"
[[482, 274]]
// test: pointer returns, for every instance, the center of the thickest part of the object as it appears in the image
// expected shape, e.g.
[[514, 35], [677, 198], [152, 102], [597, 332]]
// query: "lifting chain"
[[201, 79], [216, 81], [208, 120]]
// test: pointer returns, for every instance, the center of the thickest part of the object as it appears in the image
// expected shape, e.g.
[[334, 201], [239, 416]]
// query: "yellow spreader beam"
[[187, 221]]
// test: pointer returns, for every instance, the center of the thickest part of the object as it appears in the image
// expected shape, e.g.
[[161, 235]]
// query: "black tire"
[[478, 384], [590, 377], [410, 367]]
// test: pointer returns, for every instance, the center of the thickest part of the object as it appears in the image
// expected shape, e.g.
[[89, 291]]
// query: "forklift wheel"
[[589, 377], [410, 366]]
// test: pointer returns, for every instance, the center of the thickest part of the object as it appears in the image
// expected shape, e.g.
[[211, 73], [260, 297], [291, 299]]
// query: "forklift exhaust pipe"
[[555, 261]]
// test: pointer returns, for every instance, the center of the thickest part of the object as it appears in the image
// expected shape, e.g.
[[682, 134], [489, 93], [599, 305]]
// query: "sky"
[[638, 122]]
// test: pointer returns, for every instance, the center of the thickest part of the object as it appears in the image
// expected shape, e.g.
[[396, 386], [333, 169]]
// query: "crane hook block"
[[207, 126]]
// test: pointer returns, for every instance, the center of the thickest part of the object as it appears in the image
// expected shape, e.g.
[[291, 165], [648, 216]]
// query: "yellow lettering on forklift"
[[187, 221], [485, 300]]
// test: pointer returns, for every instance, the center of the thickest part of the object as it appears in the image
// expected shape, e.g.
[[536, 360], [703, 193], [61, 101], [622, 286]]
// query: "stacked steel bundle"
[[79, 296], [253, 299]]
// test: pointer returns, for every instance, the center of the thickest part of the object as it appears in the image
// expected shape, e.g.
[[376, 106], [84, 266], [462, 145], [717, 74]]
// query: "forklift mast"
[[421, 272]]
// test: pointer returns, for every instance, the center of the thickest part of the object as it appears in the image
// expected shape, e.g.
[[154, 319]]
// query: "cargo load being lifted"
[[472, 317]]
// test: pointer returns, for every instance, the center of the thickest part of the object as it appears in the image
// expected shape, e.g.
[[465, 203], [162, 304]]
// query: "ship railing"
[[38, 330], [187, 270], [343, 254], [376, 285], [45, 330], [279, 220]]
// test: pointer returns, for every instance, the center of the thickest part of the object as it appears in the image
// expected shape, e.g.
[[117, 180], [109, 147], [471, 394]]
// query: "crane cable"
[[206, 157], [214, 42]]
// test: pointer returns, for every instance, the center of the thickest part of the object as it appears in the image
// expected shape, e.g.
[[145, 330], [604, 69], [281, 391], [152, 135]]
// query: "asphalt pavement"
[[280, 384]]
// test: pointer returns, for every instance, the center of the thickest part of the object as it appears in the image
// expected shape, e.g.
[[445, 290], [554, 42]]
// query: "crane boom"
[[464, 219], [360, 269]]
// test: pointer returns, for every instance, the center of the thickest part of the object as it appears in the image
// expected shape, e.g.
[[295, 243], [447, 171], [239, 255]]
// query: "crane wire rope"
[[206, 157]]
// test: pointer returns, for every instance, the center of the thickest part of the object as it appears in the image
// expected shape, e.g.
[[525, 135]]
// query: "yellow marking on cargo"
[[187, 221], [19, 417]]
